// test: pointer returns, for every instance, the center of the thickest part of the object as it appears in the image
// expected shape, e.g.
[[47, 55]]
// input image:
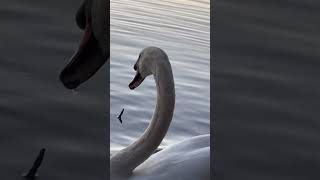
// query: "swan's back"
[[187, 160]]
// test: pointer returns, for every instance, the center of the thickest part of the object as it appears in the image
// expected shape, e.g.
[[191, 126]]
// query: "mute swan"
[[94, 50], [188, 160]]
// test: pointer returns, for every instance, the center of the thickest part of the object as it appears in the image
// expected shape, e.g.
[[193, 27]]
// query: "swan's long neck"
[[132, 156]]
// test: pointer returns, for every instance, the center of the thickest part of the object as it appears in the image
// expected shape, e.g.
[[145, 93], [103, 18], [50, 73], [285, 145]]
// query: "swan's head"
[[149, 59], [93, 51]]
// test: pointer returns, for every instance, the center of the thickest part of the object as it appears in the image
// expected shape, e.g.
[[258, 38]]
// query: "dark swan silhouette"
[[94, 50]]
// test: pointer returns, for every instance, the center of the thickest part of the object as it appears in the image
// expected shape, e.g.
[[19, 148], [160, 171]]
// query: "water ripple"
[[182, 29]]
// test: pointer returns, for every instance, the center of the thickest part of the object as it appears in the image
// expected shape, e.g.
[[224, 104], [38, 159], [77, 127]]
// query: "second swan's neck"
[[126, 160]]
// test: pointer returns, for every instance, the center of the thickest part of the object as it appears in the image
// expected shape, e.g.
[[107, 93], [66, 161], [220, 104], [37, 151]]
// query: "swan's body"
[[188, 160]]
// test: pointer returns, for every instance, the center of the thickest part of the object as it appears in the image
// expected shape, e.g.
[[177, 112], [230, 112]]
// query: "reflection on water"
[[181, 28]]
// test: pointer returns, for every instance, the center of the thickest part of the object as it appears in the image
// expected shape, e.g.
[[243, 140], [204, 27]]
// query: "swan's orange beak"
[[137, 80]]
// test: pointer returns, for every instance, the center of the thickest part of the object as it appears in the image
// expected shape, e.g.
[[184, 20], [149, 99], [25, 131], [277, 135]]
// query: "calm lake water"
[[37, 39], [182, 29], [266, 89]]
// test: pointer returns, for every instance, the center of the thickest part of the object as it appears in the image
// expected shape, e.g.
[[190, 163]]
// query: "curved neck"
[[126, 160]]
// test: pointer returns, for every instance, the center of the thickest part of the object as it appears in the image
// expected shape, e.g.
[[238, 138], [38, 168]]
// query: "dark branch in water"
[[157, 150], [33, 171], [120, 116]]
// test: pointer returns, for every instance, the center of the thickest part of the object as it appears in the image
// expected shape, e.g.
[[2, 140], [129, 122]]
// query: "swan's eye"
[[135, 67]]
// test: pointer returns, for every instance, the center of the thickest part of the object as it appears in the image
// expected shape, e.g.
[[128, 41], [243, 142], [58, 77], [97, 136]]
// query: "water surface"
[[37, 39], [266, 89], [181, 28]]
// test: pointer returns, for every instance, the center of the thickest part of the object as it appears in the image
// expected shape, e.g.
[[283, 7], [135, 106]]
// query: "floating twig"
[[33, 171], [120, 116], [157, 150]]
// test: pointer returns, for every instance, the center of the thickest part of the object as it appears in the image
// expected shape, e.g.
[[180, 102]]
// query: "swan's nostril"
[[135, 67]]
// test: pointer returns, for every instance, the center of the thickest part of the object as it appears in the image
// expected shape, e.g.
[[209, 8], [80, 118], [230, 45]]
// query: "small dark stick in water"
[[120, 115], [33, 171], [157, 150]]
